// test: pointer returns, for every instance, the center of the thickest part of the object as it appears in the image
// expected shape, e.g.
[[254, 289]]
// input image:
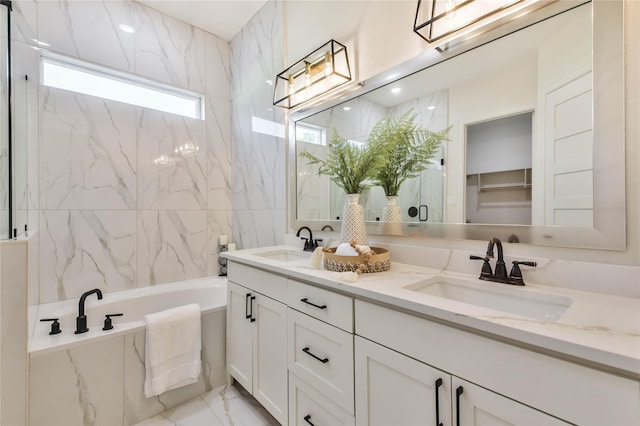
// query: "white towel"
[[172, 349]]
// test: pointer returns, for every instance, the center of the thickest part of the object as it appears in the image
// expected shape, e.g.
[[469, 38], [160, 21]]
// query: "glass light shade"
[[321, 71], [436, 19]]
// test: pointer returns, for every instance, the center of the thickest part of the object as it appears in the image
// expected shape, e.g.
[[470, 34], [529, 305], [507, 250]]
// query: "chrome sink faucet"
[[81, 319], [500, 274]]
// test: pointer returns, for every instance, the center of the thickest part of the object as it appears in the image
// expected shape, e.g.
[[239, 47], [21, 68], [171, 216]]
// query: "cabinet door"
[[239, 335], [477, 406], [393, 389], [308, 407], [270, 356]]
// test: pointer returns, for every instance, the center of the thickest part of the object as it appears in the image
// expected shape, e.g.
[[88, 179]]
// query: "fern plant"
[[409, 148], [350, 165]]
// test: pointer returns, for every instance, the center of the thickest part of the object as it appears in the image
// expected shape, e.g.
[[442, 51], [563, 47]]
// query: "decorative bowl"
[[378, 262]]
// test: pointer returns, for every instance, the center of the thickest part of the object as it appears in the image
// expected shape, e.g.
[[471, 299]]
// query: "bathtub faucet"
[[81, 320]]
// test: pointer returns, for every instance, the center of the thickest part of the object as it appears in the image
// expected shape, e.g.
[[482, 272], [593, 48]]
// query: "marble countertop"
[[597, 329]]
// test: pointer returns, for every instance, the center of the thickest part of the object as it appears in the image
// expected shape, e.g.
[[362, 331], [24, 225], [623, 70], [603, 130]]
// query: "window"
[[311, 134], [77, 76]]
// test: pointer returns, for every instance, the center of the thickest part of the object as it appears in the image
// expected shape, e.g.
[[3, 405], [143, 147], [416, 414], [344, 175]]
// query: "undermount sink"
[[285, 255], [500, 297]]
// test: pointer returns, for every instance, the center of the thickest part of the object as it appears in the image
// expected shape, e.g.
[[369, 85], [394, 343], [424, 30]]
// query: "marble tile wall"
[[259, 160], [107, 216], [102, 383]]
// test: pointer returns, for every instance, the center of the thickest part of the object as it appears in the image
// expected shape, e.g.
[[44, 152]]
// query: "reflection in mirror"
[[541, 74], [498, 170]]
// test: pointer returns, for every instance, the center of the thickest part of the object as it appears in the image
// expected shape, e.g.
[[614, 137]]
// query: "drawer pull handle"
[[305, 300], [247, 302], [253, 319], [307, 419], [438, 384], [308, 352], [459, 391]]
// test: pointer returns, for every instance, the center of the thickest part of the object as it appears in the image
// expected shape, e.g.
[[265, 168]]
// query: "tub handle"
[[108, 325], [55, 325]]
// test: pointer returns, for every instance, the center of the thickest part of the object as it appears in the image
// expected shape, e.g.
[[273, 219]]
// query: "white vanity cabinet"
[[314, 356], [320, 340], [257, 336], [500, 381], [392, 388]]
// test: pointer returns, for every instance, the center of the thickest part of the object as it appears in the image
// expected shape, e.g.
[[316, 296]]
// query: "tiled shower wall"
[[107, 216], [259, 159]]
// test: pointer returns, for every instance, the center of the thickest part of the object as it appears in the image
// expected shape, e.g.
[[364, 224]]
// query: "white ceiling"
[[223, 18]]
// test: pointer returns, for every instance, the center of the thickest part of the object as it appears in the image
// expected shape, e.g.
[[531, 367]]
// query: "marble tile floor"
[[224, 406]]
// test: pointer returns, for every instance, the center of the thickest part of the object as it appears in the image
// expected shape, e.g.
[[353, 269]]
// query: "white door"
[[270, 356], [239, 334], [569, 154], [393, 389], [473, 405]]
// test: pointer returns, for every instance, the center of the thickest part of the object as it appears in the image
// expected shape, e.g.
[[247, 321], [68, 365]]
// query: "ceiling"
[[223, 18]]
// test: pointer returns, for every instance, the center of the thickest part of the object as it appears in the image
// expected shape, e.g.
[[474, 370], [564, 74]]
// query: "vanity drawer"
[[325, 305], [322, 355], [308, 406], [263, 282]]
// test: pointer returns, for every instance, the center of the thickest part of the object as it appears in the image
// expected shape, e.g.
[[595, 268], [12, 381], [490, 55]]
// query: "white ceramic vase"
[[353, 227], [392, 217]]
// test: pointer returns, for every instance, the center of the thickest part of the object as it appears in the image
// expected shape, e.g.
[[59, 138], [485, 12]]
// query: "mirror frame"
[[609, 229]]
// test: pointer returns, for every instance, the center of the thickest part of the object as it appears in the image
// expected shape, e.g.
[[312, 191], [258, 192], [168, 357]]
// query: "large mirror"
[[530, 113]]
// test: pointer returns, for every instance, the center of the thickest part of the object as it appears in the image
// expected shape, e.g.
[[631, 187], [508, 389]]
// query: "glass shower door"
[[5, 150]]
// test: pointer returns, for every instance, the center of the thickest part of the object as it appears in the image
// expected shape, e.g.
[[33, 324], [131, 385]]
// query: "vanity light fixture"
[[321, 71], [436, 19]]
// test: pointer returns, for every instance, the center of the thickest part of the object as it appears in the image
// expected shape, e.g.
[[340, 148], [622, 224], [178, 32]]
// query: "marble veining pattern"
[[84, 249], [101, 383], [96, 184], [224, 406], [180, 183], [169, 50], [171, 246], [218, 153], [68, 388], [259, 160], [87, 152], [89, 30]]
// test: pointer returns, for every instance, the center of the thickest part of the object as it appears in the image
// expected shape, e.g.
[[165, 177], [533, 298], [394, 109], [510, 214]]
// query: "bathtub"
[[98, 376], [209, 293]]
